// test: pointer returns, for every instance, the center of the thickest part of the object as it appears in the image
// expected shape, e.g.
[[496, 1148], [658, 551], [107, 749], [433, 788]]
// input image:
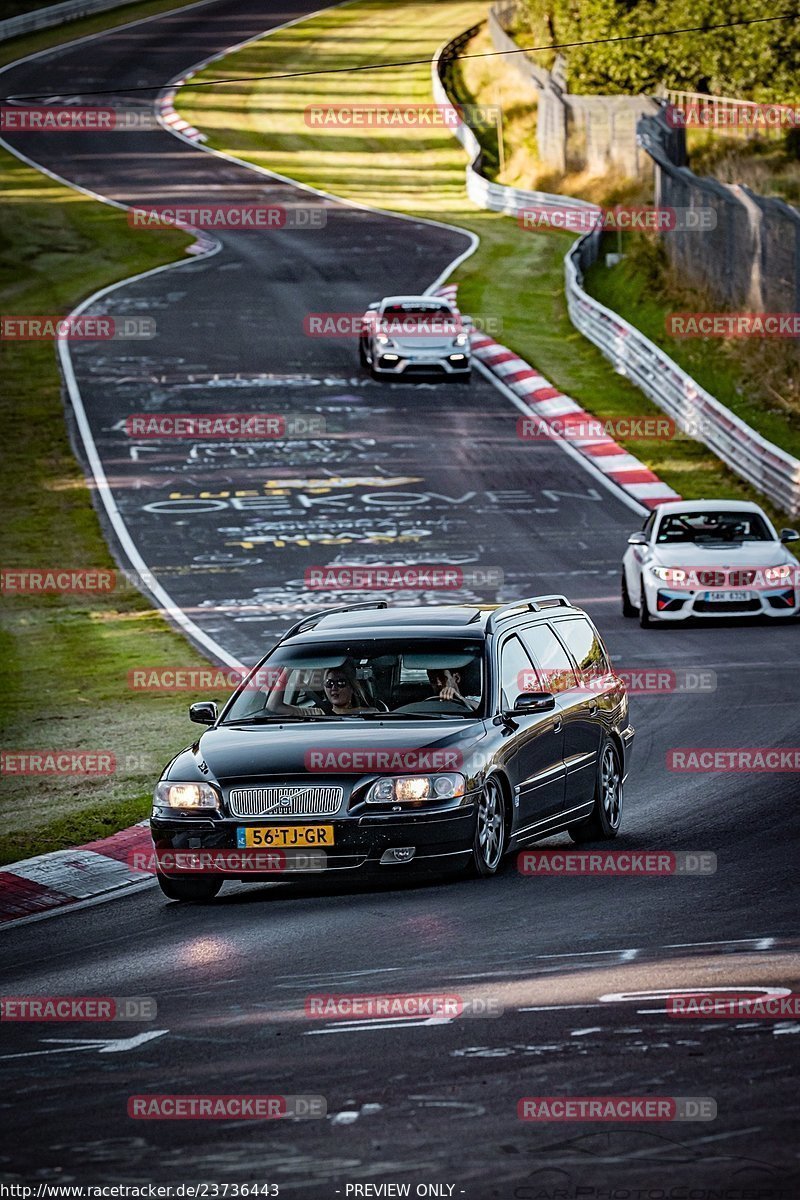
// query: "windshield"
[[416, 309], [703, 528], [364, 679], [418, 320]]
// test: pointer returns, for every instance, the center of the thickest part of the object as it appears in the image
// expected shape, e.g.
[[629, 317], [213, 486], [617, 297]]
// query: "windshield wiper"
[[273, 719], [417, 716]]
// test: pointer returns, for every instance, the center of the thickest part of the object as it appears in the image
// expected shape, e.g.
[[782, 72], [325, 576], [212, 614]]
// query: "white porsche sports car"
[[415, 335], [709, 558]]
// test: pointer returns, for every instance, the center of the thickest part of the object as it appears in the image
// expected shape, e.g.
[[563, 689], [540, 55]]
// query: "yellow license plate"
[[286, 836]]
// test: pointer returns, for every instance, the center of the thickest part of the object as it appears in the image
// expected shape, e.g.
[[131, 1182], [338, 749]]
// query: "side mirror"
[[789, 535], [534, 702], [638, 539], [467, 322], [204, 712], [375, 304]]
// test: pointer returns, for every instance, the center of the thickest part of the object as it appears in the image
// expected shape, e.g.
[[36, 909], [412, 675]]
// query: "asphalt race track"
[[405, 473]]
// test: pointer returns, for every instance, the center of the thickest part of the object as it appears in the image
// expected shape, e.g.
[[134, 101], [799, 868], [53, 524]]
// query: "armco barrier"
[[54, 14], [767, 467], [495, 197]]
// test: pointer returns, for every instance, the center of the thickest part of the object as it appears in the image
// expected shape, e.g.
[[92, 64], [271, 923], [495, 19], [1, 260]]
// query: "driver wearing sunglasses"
[[343, 695]]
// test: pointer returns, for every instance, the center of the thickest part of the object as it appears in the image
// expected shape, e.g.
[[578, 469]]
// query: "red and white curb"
[[65, 877], [166, 110], [567, 420]]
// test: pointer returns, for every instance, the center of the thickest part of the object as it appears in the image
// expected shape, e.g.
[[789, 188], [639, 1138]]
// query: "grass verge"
[[515, 277], [756, 378], [63, 671]]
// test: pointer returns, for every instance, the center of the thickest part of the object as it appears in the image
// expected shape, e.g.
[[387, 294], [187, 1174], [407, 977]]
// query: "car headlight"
[[185, 795], [383, 340], [673, 575], [412, 789], [461, 339], [780, 574]]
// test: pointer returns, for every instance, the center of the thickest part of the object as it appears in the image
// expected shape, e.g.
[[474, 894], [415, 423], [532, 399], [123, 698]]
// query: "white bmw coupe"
[[709, 558]]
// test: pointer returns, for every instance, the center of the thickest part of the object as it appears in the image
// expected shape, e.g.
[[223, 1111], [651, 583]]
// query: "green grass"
[[63, 671], [64, 660], [749, 376], [769, 166], [515, 276]]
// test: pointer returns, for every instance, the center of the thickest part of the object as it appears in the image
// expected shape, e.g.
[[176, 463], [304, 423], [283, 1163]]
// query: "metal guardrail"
[[496, 197], [54, 14], [727, 114], [695, 411], [771, 470]]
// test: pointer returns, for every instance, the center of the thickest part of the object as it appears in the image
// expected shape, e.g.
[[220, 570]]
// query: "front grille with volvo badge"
[[297, 801]]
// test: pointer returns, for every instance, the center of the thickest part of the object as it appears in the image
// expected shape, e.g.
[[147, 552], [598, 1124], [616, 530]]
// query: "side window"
[[585, 647], [516, 673], [555, 668]]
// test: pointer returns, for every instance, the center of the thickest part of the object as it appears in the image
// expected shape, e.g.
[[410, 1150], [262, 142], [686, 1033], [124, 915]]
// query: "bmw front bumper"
[[679, 604]]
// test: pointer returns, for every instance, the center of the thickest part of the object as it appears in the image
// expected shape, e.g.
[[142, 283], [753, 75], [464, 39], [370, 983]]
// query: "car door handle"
[[558, 726]]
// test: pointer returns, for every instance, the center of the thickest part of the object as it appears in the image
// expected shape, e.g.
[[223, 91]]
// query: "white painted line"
[[153, 587], [174, 84], [91, 37], [757, 943], [588, 953], [613, 488], [378, 1024], [101, 481], [665, 993], [557, 1007], [101, 1045]]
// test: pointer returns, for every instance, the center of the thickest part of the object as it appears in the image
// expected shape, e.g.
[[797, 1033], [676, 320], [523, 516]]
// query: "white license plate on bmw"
[[727, 596]]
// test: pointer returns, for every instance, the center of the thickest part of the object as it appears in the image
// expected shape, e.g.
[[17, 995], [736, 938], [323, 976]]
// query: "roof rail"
[[531, 604], [328, 612]]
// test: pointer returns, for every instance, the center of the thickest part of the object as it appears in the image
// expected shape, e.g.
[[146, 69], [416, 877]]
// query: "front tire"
[[628, 609], [645, 619], [490, 831], [192, 890], [606, 816]]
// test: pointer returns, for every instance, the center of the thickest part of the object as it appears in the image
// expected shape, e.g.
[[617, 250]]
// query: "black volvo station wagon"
[[379, 739]]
